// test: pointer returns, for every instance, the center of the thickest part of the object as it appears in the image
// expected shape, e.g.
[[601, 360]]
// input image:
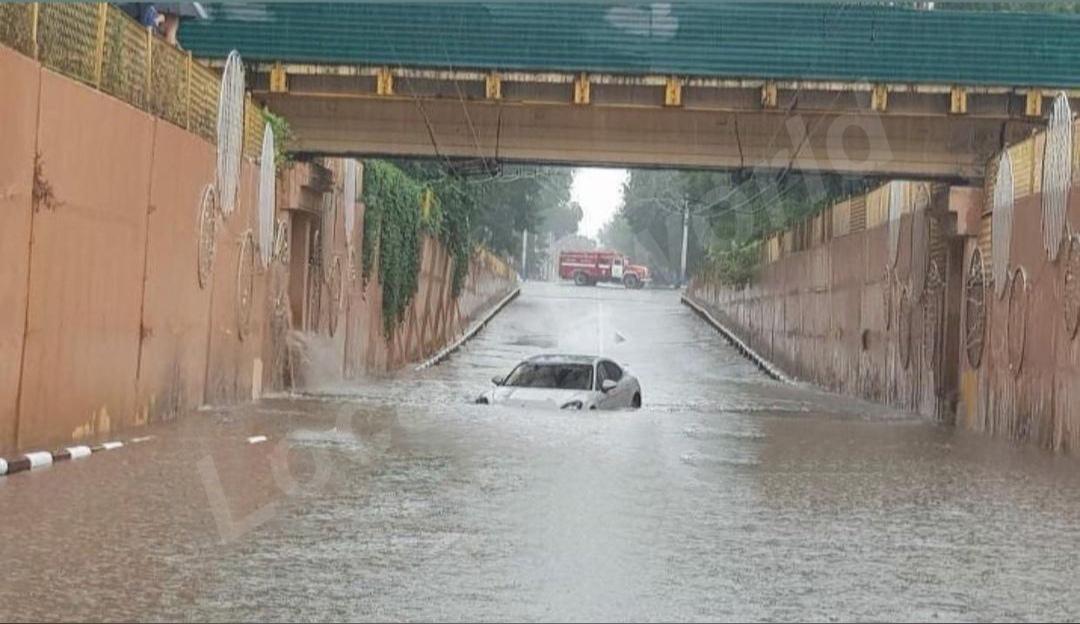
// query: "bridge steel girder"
[[628, 121]]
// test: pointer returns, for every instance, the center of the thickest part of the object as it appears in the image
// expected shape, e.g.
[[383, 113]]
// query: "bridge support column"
[[581, 89], [279, 80], [958, 101], [879, 98], [493, 86], [768, 95], [673, 92], [384, 82], [1033, 103]]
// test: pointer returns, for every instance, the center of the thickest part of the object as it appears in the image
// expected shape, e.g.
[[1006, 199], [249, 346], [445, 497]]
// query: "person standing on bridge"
[[164, 17], [174, 12], [144, 13]]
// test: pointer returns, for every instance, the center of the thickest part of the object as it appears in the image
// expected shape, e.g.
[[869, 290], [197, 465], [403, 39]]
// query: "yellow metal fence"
[[100, 45]]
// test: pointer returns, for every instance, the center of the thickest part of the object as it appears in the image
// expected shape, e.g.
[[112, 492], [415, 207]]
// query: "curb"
[[475, 329], [40, 459], [766, 366]]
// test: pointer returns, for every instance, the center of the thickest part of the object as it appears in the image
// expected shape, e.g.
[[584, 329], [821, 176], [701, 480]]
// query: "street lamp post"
[[685, 232], [524, 253]]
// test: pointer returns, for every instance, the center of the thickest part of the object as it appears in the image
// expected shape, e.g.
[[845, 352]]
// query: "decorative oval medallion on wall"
[[230, 133], [267, 197], [1056, 175], [1071, 274], [975, 309], [1016, 330], [245, 284], [334, 286], [904, 328], [281, 241], [896, 198], [207, 233], [933, 301], [887, 297], [316, 281], [920, 252], [1002, 223]]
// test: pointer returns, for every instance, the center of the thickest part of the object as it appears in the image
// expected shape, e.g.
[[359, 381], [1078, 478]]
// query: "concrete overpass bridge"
[[868, 90]]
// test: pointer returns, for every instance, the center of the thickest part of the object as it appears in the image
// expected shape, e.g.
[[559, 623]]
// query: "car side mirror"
[[608, 385], [497, 380]]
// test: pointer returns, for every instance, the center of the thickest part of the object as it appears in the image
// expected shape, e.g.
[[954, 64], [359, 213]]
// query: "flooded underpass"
[[728, 496]]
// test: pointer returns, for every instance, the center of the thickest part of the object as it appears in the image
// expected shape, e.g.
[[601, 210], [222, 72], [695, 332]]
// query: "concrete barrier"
[[766, 366], [118, 329], [472, 331], [40, 459]]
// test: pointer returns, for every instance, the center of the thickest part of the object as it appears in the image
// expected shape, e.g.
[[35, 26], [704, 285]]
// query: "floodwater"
[[727, 497]]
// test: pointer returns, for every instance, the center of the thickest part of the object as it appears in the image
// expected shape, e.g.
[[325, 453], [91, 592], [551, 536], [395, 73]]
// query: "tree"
[[561, 219], [500, 207], [729, 211]]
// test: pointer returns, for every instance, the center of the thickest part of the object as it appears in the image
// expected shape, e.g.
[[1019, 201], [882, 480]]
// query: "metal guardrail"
[[101, 46]]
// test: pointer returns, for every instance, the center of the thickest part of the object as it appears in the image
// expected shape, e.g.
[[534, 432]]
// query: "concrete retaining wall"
[[822, 315], [1041, 402], [103, 323]]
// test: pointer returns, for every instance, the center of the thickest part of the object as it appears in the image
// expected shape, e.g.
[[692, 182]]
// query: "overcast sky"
[[599, 191]]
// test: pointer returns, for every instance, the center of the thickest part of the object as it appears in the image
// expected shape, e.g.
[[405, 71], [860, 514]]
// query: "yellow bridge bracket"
[[99, 44], [958, 101], [581, 89], [187, 118], [673, 92], [879, 99], [35, 15], [493, 86], [768, 95], [384, 82], [279, 80], [149, 67], [1033, 103]]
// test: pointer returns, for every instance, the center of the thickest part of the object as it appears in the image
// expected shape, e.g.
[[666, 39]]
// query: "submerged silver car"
[[574, 382]]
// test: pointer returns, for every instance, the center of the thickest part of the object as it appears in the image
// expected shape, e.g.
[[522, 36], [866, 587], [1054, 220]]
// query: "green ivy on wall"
[[392, 229], [283, 136], [399, 210], [456, 205]]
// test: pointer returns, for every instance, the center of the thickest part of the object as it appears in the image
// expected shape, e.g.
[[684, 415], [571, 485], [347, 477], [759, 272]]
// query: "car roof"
[[563, 358]]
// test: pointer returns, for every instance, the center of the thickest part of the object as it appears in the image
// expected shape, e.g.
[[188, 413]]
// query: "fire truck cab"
[[587, 268]]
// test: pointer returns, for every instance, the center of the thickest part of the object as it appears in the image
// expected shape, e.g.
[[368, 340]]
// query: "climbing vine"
[[399, 210], [734, 265], [283, 136], [392, 230], [456, 205]]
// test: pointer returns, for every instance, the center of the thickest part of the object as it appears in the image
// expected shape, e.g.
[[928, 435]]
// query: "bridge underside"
[[909, 131]]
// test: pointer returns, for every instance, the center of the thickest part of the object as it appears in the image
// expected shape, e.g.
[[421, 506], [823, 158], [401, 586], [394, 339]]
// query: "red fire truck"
[[589, 267]]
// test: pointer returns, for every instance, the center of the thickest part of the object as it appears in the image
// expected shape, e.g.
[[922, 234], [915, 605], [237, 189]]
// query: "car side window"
[[601, 375], [612, 371]]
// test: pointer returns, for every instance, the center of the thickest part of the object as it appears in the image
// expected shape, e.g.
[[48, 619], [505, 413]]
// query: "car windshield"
[[561, 376]]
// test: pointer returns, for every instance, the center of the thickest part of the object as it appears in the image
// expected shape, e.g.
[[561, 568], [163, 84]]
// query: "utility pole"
[[685, 231], [551, 267], [524, 253]]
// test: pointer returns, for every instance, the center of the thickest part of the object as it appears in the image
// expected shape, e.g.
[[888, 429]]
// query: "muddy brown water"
[[727, 497]]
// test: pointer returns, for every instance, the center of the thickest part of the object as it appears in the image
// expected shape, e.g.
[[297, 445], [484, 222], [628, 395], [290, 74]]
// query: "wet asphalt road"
[[727, 497]]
